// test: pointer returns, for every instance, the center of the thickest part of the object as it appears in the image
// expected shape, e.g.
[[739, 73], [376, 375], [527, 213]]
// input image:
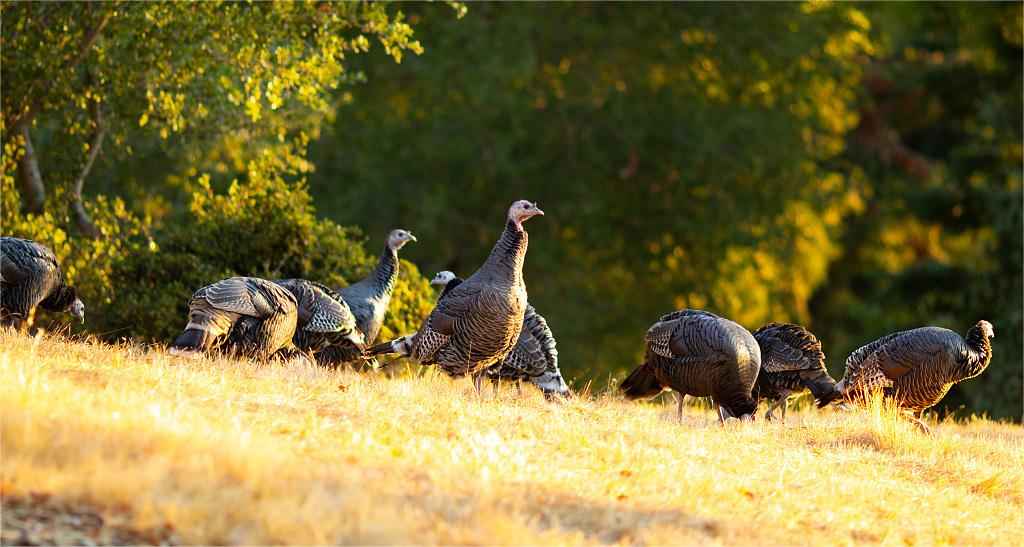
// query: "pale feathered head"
[[442, 278], [77, 310], [522, 211], [398, 238]]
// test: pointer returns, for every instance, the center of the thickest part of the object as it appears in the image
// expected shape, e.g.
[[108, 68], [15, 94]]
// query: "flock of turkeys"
[[483, 326]]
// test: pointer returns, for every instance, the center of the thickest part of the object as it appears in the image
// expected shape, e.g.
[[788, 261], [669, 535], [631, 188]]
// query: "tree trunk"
[[78, 213], [33, 191]]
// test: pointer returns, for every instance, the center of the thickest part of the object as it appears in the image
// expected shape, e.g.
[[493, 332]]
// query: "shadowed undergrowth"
[[219, 451]]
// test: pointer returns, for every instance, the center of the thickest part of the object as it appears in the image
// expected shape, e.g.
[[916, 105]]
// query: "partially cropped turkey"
[[534, 357], [446, 280], [697, 353], [324, 319], [31, 277], [477, 323], [791, 361], [916, 368], [369, 298], [246, 316]]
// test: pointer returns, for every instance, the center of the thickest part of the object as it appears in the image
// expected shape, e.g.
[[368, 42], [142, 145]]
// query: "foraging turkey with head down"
[[241, 315], [791, 361], [916, 368], [534, 357], [693, 352], [477, 323], [324, 319], [31, 277]]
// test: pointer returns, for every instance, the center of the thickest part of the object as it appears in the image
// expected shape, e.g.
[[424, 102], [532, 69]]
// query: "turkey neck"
[[822, 386], [386, 272], [978, 355], [509, 254], [59, 299]]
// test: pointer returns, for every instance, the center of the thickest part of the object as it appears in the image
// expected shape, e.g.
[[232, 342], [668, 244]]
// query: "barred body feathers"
[[324, 320], [791, 360], [535, 355], [31, 277], [477, 323], [693, 352], [246, 316], [369, 298], [917, 367]]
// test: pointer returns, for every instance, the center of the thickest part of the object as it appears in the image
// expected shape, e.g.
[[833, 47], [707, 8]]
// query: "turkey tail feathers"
[[641, 383], [191, 340]]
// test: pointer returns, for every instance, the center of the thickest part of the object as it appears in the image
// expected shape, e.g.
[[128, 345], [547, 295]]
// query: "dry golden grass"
[[226, 452]]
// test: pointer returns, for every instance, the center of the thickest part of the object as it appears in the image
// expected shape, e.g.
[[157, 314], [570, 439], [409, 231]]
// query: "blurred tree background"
[[856, 168]]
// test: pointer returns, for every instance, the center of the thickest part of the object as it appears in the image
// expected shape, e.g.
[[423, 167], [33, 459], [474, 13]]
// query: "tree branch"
[[33, 191], [37, 98], [82, 220]]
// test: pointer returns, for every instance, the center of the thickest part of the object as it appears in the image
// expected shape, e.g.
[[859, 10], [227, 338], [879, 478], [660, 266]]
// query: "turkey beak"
[[537, 211], [412, 238]]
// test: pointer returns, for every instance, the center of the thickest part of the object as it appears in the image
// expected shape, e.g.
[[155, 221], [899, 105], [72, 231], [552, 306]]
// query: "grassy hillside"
[[128, 444]]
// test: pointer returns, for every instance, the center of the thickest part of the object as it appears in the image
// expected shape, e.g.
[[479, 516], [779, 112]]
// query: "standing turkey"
[[369, 298], [30, 277], [693, 352], [241, 315], [477, 323], [324, 319], [791, 361], [915, 368], [534, 357]]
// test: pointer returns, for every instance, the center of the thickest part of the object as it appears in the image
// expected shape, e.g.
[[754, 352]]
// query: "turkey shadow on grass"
[[544, 510], [41, 519], [611, 523], [53, 519]]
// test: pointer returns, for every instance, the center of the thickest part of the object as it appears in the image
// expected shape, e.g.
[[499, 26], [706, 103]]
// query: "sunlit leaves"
[[204, 70]]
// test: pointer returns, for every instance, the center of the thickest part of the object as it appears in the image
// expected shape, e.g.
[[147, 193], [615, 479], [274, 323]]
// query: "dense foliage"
[[852, 167], [682, 159], [183, 99], [940, 240], [740, 160]]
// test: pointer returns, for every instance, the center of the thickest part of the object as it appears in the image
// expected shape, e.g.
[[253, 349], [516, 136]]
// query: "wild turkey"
[[697, 353], [476, 323], [916, 368], [30, 277], [534, 357], [791, 361], [324, 319], [241, 315], [446, 280], [370, 297]]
